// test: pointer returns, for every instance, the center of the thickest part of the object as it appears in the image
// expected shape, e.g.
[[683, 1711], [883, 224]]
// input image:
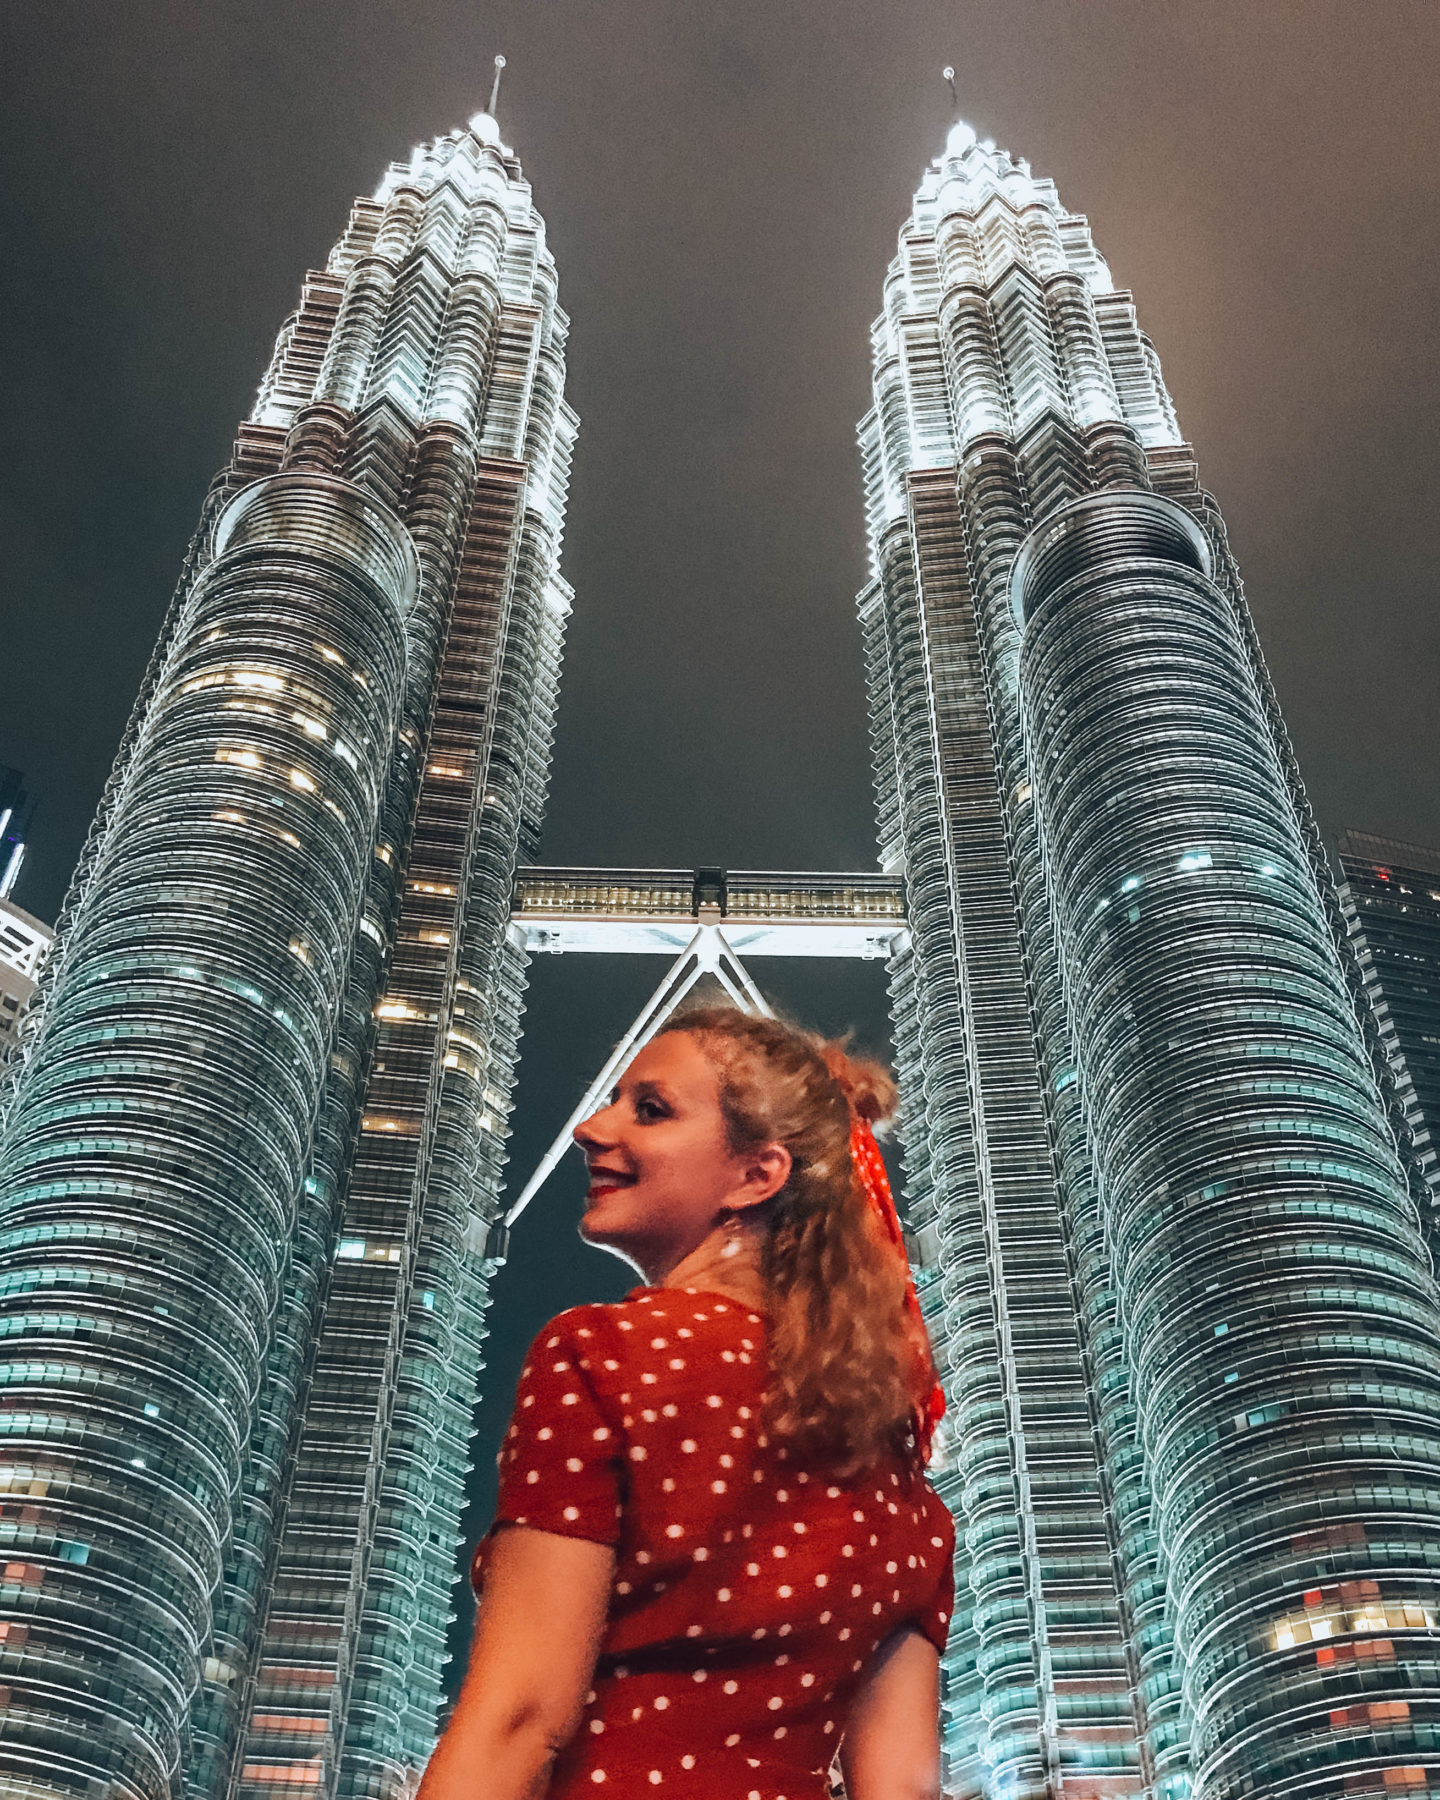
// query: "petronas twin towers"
[[1170, 1234]]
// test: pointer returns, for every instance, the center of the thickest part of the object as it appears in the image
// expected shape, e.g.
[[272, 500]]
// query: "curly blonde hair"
[[849, 1366]]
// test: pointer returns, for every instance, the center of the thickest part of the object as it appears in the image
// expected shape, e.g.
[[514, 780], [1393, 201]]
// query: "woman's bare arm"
[[892, 1741], [534, 1653]]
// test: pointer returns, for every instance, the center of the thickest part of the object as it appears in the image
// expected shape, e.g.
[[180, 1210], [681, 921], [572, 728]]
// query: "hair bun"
[[867, 1084]]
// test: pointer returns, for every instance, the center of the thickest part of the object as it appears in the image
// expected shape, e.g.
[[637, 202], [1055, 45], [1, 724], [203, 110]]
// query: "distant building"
[[1391, 901], [16, 808], [24, 945]]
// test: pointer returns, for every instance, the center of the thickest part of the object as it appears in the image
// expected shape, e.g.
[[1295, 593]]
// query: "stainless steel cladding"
[[156, 1145]]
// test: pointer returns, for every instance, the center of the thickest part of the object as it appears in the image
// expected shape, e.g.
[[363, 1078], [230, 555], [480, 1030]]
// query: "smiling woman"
[[716, 1556]]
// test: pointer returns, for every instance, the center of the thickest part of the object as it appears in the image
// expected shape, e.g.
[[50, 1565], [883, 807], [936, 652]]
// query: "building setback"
[[1172, 1264], [251, 1156]]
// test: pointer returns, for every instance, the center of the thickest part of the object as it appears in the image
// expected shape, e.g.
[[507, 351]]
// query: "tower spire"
[[495, 86], [949, 74]]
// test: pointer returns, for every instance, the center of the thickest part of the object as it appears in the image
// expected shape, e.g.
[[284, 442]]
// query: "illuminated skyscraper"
[[1180, 1289], [251, 1155]]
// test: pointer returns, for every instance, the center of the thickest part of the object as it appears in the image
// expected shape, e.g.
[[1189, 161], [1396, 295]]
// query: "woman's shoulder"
[[648, 1310]]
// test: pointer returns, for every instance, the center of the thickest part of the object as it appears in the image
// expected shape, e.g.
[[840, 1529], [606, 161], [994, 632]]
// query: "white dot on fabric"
[[637, 1453], [717, 1487], [712, 1400], [661, 1702], [529, 1400], [658, 1344], [597, 1726], [649, 1378], [623, 1587], [821, 1579], [627, 1325], [774, 1703], [829, 1726], [597, 1774], [826, 1617], [560, 1368], [858, 1517], [781, 1661], [891, 1567], [572, 1513], [674, 1531], [856, 1591], [550, 1343], [699, 1674], [778, 1550], [785, 1592], [783, 1494], [876, 1607], [723, 1594], [732, 1687], [688, 1446], [642, 1556], [533, 1476], [807, 1680], [939, 1543], [752, 1568], [687, 1762], [693, 1630], [677, 1362], [779, 1731], [649, 1415], [574, 1464], [727, 1355], [670, 1411], [610, 1363], [568, 1399], [668, 1484], [544, 1434], [727, 1461], [655, 1776], [600, 1433]]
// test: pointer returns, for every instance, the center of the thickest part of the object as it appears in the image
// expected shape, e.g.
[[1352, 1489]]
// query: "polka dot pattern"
[[733, 1649]]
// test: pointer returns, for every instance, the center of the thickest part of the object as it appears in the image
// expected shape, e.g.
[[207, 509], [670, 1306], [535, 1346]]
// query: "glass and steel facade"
[[251, 1147], [1173, 1259]]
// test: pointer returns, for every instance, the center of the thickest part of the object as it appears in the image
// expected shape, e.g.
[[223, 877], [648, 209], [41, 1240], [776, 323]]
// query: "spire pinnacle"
[[495, 85], [949, 75]]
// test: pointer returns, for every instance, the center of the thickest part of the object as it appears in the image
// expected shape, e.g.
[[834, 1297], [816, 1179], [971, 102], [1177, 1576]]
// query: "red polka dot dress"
[[750, 1592]]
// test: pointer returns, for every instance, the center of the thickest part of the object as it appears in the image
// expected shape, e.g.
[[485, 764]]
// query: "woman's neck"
[[726, 1262]]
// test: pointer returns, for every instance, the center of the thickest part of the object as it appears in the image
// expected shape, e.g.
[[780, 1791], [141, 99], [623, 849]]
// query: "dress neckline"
[[698, 1293]]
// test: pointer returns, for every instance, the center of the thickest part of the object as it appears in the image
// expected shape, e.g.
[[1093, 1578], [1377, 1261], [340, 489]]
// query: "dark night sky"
[[722, 186]]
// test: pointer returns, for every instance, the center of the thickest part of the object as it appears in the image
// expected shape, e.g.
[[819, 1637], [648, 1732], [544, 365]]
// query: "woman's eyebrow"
[[653, 1090]]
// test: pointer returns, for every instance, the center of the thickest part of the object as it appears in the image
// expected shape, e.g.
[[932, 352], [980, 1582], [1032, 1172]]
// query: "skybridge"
[[708, 921]]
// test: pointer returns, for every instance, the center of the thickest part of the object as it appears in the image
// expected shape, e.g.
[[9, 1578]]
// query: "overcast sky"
[[722, 186]]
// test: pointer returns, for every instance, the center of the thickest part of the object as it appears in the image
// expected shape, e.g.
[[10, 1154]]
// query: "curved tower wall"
[[1270, 1264], [155, 1149], [424, 371], [1011, 379]]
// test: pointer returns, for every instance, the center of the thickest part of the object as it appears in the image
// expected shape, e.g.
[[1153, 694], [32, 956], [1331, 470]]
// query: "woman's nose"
[[590, 1133]]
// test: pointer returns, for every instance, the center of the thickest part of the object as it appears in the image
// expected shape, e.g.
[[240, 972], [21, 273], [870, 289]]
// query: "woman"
[[715, 1554]]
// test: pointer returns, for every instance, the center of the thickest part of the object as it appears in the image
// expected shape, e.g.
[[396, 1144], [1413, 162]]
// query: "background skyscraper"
[[1173, 1264], [251, 1156], [1391, 900]]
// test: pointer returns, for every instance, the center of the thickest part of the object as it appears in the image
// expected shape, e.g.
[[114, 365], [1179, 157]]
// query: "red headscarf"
[[870, 1167]]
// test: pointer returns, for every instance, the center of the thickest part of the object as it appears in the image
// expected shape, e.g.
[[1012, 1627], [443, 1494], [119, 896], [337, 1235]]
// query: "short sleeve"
[[561, 1466], [933, 1619]]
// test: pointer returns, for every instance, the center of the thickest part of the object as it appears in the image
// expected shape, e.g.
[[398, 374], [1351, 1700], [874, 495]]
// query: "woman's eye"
[[649, 1110]]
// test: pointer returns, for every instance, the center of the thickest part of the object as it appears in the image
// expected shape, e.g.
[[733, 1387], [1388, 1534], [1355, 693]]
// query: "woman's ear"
[[764, 1172]]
